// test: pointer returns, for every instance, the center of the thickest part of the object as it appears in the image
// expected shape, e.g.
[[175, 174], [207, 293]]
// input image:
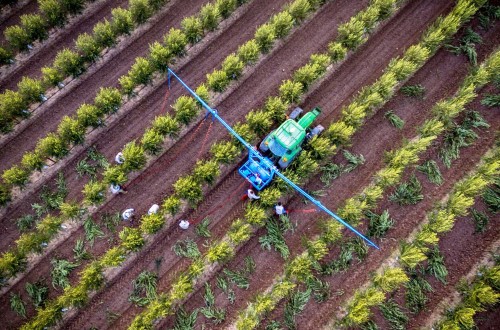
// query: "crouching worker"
[[279, 209], [184, 224], [128, 214], [117, 189]]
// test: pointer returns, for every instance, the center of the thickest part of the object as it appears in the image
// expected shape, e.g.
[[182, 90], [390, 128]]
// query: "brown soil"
[[489, 319], [45, 53]]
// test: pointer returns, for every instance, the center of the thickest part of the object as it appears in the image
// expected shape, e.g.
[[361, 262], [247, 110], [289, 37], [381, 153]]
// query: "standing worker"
[[279, 209], [153, 209], [128, 214], [251, 195], [119, 158]]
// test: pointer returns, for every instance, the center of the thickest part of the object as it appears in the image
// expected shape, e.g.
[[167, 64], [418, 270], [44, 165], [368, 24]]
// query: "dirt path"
[[268, 263], [488, 320], [64, 38], [86, 89], [14, 17]]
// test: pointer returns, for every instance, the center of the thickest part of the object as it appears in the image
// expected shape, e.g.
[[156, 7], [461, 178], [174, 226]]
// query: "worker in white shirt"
[[128, 214], [119, 159], [279, 209], [251, 195], [184, 224], [117, 189], [153, 209]]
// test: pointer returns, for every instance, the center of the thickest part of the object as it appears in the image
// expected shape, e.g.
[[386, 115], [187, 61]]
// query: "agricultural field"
[[409, 92]]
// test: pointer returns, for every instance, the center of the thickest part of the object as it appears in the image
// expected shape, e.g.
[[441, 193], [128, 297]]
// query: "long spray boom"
[[256, 153]]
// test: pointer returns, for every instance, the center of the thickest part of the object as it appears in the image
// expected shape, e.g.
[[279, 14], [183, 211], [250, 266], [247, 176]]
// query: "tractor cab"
[[284, 143]]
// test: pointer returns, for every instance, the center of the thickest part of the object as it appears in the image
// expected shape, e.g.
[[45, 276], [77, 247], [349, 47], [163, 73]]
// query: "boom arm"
[[257, 154]]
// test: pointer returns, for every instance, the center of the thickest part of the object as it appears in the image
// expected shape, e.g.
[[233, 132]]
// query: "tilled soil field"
[[223, 202]]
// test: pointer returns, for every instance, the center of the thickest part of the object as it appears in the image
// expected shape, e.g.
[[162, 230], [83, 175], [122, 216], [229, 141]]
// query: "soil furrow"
[[86, 90], [45, 53]]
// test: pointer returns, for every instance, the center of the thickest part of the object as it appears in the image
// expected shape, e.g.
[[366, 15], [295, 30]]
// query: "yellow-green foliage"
[[239, 232], [151, 223], [412, 255], [390, 279], [300, 268], [219, 252]]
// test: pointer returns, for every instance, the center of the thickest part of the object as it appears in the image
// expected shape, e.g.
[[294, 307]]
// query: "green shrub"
[[206, 171], [203, 93], [248, 52], [291, 91], [31, 90], [94, 192], [306, 75], [104, 34], [108, 100], [337, 51], [188, 188], [166, 125], [350, 34], [115, 175], [71, 130], [282, 24], [232, 66], [160, 56], [276, 106], [260, 122], [142, 71], [88, 47], [152, 141], [127, 84], [5, 194], [52, 146], [299, 9], [32, 161], [151, 223], [320, 63], [224, 152], [68, 62], [156, 4], [225, 7], [209, 15], [16, 176], [172, 205], [140, 10], [89, 115], [244, 130], [394, 119], [176, 42], [135, 158], [413, 90], [193, 28], [51, 76], [185, 109], [17, 37], [6, 56], [122, 22], [35, 26], [132, 239], [218, 80], [72, 6], [265, 36], [53, 12]]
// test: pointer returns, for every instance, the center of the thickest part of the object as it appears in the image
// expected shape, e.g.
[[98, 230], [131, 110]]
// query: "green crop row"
[[442, 219], [106, 101], [73, 130], [33, 27], [132, 239], [476, 296], [14, 105], [301, 267]]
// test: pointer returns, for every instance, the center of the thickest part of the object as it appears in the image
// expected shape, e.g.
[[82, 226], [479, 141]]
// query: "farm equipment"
[[284, 145]]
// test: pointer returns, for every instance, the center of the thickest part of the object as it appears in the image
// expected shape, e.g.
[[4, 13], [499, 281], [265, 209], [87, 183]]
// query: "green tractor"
[[284, 143]]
